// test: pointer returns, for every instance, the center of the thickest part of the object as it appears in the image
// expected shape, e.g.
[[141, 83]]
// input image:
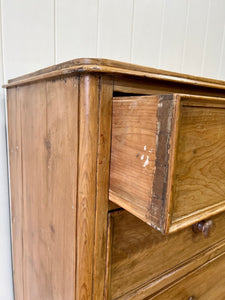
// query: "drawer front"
[[139, 255], [207, 282], [168, 158]]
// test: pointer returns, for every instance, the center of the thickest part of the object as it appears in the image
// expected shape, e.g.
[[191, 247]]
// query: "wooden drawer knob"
[[204, 227]]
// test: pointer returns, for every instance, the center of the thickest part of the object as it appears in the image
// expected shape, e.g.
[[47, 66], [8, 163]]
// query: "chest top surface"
[[114, 68]]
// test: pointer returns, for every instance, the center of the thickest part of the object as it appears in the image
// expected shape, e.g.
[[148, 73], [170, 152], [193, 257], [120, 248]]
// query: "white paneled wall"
[[186, 36], [173, 35], [28, 35], [115, 29], [6, 287], [76, 29]]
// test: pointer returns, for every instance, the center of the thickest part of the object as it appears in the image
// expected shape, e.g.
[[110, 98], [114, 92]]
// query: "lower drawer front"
[[138, 254], [207, 282]]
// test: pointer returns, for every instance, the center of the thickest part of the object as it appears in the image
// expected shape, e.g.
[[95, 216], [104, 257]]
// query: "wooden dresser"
[[117, 177]]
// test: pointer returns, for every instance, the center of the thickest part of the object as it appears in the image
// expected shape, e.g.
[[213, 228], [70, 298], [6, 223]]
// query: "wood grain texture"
[[69, 253], [143, 133], [64, 246], [49, 146], [87, 182], [93, 185], [102, 188], [200, 161], [133, 148], [144, 86], [15, 156], [207, 282], [167, 160], [167, 279], [62, 143], [35, 233], [92, 65], [142, 252]]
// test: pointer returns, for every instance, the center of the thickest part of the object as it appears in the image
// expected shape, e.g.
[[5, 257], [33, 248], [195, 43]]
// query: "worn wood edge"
[[87, 183], [18, 280], [173, 276], [111, 63], [144, 86], [188, 97], [166, 121], [168, 208], [107, 66], [197, 216], [107, 63], [102, 187], [126, 204], [167, 106], [107, 291]]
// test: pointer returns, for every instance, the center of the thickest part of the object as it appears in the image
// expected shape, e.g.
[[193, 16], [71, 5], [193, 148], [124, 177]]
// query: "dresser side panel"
[[49, 133]]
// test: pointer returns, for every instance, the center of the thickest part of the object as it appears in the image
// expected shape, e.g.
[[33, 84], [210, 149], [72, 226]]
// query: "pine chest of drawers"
[[117, 176]]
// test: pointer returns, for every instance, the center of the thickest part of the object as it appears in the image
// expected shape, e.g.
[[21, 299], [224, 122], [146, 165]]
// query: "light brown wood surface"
[[88, 145], [112, 67], [207, 282], [94, 155], [15, 154], [102, 189], [129, 85], [46, 204], [167, 160], [146, 255], [169, 278], [133, 152], [65, 244], [199, 176], [143, 136]]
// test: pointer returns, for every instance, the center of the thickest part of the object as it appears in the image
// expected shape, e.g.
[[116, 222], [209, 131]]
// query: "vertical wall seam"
[[2, 48], [54, 28], [132, 33], [185, 36], [205, 39], [221, 54], [161, 33], [98, 28]]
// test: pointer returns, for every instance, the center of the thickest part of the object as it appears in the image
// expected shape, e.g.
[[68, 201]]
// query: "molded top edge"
[[97, 65]]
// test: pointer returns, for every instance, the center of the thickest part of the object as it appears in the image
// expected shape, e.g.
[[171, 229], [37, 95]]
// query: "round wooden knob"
[[204, 227]]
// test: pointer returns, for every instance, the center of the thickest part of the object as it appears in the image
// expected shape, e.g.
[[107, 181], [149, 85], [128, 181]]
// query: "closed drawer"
[[207, 282], [139, 255], [168, 158]]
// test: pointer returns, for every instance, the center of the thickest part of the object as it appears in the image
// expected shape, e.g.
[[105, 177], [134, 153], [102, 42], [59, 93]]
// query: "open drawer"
[[168, 158]]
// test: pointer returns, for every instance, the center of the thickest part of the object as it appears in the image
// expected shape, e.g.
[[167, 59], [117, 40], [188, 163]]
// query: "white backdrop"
[[186, 36]]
